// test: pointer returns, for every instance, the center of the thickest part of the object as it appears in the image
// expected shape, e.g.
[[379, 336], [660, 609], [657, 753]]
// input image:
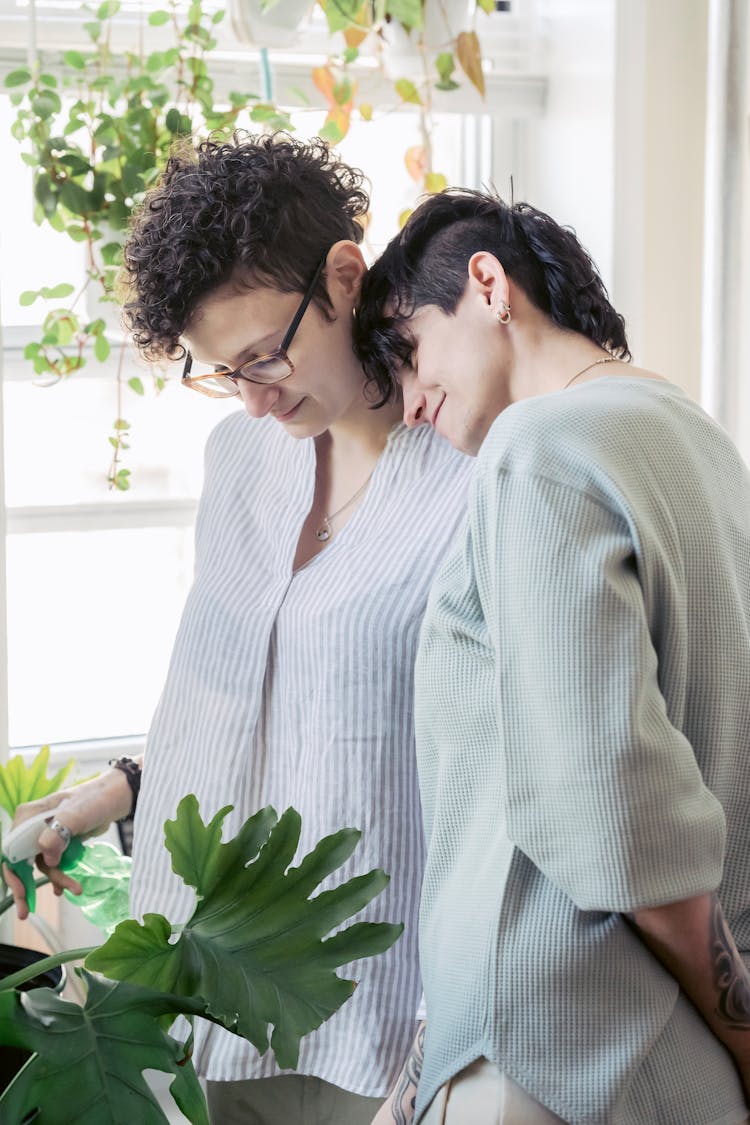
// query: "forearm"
[[398, 1109], [692, 940]]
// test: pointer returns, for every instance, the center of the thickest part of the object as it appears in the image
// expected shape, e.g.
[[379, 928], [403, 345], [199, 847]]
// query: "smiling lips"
[[289, 414]]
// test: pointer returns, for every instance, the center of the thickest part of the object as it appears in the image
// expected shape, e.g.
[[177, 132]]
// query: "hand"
[[87, 810]]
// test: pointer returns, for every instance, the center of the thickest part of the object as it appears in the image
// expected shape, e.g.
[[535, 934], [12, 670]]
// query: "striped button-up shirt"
[[296, 689]]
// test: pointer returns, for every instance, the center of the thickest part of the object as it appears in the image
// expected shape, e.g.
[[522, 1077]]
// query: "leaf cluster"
[[256, 953]]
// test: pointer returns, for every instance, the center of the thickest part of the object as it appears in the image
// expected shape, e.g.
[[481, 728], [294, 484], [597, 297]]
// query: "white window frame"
[[515, 93]]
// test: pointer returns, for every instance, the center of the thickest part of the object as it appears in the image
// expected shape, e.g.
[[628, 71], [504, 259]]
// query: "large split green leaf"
[[255, 949], [88, 1061]]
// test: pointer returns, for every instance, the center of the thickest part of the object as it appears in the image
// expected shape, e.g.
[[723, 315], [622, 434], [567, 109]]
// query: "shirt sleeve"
[[604, 794]]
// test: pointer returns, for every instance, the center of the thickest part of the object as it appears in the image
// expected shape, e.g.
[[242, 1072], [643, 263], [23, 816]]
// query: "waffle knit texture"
[[582, 731]]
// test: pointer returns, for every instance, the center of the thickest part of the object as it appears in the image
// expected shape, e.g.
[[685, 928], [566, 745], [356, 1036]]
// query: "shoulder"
[[592, 436], [241, 440], [421, 450]]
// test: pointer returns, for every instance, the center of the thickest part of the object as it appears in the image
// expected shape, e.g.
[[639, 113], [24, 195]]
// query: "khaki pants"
[[483, 1095], [289, 1099]]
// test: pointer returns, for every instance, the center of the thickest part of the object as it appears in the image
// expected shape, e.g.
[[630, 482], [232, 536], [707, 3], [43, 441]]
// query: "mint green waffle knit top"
[[583, 734]]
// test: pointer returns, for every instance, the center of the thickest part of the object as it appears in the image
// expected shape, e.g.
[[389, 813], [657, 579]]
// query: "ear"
[[488, 280], [345, 268]]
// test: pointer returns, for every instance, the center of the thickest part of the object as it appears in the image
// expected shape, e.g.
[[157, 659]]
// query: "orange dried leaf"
[[415, 159], [323, 79], [469, 55]]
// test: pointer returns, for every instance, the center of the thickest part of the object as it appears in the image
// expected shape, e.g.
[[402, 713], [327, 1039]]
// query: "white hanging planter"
[[279, 26]]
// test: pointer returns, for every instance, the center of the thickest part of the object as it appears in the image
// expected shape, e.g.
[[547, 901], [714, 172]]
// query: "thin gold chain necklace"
[[325, 531], [604, 359]]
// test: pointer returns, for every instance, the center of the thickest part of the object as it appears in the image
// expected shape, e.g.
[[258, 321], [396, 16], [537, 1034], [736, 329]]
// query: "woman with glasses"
[[322, 521]]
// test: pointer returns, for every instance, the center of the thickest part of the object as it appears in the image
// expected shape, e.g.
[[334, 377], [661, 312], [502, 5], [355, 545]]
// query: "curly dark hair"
[[260, 208], [426, 263]]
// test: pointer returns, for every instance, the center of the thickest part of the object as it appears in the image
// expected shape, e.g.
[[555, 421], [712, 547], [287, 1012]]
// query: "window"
[[96, 579]]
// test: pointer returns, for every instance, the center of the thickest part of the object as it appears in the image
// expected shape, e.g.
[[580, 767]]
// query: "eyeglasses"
[[265, 369]]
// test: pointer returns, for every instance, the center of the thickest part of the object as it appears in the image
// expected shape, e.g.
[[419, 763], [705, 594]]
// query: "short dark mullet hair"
[[426, 264]]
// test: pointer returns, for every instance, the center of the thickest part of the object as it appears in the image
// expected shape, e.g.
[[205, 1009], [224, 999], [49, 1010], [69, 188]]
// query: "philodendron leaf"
[[255, 949], [88, 1062]]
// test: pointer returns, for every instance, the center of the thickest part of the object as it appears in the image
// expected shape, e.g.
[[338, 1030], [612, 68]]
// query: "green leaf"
[[45, 103], [158, 19], [254, 948], [88, 1062], [101, 348], [20, 782], [28, 297], [75, 198], [136, 385], [407, 91], [445, 65], [108, 9], [48, 80], [75, 59], [330, 132], [407, 12], [120, 424], [62, 290], [17, 77], [487, 6]]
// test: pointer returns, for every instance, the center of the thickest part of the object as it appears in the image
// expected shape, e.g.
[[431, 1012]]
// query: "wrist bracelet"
[[132, 772]]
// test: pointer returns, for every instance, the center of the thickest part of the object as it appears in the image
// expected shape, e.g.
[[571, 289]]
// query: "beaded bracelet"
[[132, 772]]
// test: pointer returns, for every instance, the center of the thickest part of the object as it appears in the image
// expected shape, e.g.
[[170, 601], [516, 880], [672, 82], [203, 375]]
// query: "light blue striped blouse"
[[297, 690], [583, 709]]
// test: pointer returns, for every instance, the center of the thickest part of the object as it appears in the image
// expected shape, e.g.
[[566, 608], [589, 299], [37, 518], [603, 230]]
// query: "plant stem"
[[8, 902], [13, 981]]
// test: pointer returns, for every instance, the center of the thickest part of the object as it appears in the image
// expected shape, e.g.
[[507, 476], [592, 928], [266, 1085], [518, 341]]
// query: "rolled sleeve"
[[604, 794]]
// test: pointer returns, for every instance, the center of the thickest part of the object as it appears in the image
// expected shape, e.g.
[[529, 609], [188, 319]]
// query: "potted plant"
[[258, 933]]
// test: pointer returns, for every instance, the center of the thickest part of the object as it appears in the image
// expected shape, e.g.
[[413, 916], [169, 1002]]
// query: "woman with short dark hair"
[[581, 696]]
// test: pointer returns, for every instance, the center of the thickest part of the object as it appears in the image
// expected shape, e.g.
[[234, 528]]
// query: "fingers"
[[51, 847], [59, 879], [17, 889]]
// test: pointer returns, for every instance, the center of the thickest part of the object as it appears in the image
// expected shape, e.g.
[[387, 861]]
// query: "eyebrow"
[[250, 352]]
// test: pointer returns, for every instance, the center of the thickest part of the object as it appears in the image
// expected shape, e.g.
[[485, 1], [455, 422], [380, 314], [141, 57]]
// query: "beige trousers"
[[483, 1095]]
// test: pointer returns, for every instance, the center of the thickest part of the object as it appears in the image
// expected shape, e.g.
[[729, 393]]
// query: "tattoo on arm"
[[730, 974], [405, 1094]]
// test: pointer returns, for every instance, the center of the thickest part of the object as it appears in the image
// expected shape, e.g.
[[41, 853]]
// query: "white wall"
[[619, 156]]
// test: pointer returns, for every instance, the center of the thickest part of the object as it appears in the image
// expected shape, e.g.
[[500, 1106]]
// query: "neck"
[[548, 361], [363, 430]]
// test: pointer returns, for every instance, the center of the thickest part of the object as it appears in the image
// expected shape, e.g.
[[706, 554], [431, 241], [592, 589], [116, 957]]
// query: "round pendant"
[[323, 534]]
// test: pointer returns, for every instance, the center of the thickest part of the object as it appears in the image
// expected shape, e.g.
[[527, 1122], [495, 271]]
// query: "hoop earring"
[[504, 316]]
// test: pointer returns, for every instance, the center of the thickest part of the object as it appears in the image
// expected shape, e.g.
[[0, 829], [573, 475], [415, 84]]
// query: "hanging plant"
[[96, 141]]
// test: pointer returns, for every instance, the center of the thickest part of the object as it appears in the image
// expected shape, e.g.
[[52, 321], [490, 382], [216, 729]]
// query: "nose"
[[257, 399], [415, 403]]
